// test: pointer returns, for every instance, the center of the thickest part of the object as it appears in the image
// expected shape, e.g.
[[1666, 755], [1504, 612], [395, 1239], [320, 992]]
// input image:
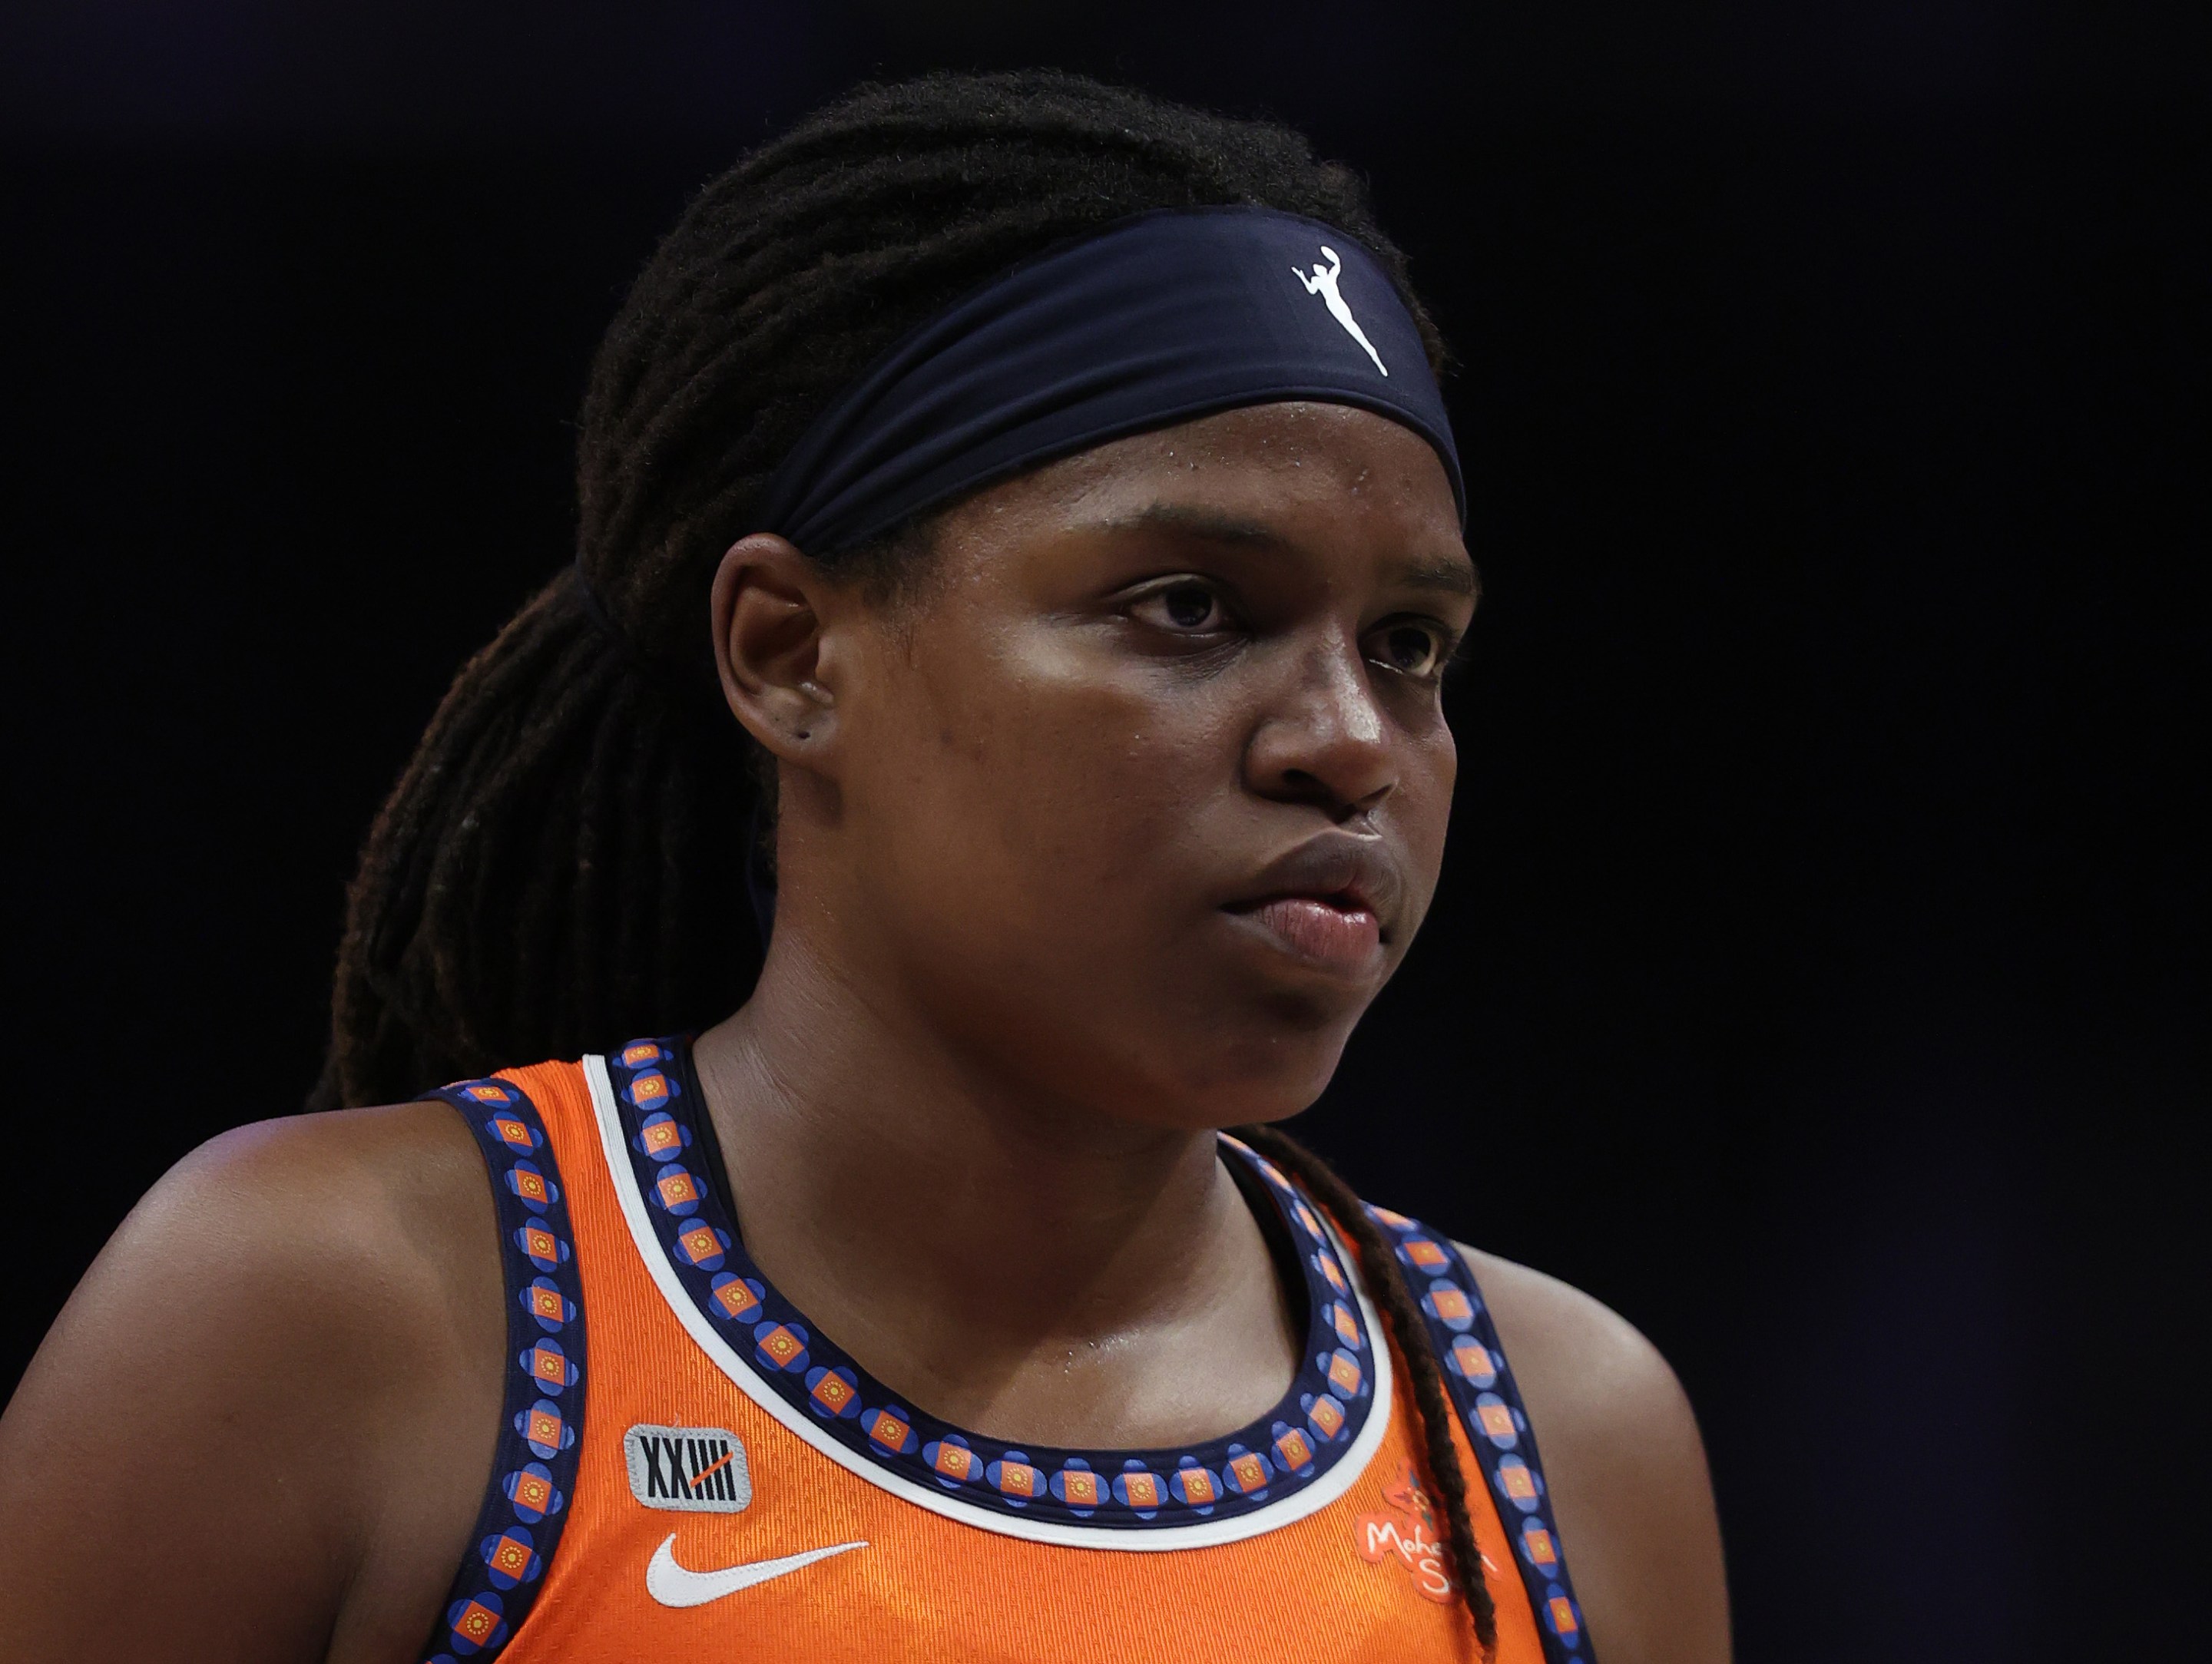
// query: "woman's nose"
[[1326, 740]]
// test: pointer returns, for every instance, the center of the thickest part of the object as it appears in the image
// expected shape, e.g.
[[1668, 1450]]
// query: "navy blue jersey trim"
[[1304, 1437], [533, 1474], [1483, 1391]]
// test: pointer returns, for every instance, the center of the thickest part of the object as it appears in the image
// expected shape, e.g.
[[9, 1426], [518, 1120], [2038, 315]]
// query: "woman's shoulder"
[[369, 1229], [280, 1382], [1598, 1376], [396, 1170], [1625, 1463]]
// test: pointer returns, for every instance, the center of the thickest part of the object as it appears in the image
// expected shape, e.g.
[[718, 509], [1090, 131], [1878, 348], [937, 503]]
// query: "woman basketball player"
[[1021, 540]]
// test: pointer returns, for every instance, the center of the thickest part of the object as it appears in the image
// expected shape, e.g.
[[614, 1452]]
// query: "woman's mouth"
[[1338, 934]]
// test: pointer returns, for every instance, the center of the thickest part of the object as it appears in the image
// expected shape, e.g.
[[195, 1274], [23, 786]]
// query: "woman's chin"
[[1232, 1078]]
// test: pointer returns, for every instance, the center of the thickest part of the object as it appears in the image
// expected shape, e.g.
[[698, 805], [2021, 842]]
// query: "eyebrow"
[[1446, 577], [1210, 523], [1456, 578]]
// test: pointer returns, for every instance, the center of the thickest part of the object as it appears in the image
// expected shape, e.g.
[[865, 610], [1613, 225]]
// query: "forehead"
[[1302, 469]]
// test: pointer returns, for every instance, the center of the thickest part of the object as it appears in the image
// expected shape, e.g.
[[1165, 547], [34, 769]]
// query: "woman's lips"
[[1346, 939]]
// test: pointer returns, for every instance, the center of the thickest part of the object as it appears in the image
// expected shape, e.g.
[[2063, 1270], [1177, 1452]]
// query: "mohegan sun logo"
[[1408, 1536], [1323, 284]]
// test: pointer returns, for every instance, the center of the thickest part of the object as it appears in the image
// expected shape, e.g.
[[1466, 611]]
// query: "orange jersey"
[[708, 1476]]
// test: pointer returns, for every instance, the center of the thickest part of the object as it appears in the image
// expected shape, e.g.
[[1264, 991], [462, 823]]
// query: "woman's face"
[[1140, 792]]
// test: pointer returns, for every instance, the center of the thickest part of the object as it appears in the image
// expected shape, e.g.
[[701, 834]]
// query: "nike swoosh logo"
[[675, 1586]]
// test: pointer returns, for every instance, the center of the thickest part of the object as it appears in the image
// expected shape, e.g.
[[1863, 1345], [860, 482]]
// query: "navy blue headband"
[[1155, 320]]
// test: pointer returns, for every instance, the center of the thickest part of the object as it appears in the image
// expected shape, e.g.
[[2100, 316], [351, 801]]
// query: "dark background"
[[1820, 973]]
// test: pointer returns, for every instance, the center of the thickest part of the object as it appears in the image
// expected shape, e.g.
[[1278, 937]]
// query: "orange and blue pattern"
[[689, 1332], [1483, 1392], [534, 1468]]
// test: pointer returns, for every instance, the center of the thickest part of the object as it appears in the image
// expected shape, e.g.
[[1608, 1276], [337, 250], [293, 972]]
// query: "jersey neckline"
[[1300, 1455]]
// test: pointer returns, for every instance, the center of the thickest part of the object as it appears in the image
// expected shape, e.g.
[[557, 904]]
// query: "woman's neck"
[[1014, 1260]]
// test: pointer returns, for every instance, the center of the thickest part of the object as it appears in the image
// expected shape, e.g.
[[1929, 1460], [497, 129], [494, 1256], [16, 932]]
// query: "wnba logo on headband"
[[1323, 284], [1154, 320]]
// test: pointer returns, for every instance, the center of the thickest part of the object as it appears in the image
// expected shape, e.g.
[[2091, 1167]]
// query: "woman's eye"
[[1186, 607], [1410, 649]]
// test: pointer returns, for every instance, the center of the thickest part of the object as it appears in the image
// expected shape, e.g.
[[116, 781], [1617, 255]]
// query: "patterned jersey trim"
[[541, 1422], [1483, 1389], [1315, 1425]]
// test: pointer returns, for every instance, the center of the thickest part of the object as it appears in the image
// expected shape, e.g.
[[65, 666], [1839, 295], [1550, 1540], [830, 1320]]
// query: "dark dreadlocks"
[[561, 865]]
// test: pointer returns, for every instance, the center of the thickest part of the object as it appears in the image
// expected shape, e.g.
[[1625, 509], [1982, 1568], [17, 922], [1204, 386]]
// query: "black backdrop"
[[1819, 976]]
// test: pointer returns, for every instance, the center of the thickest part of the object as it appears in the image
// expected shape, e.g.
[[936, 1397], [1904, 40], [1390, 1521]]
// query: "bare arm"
[[262, 1426], [1626, 1468]]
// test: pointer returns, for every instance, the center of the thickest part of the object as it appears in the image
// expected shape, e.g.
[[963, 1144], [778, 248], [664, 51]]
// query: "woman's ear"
[[771, 608]]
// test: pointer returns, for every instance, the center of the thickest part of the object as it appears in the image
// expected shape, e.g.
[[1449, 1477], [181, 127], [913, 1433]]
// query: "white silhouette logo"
[[678, 1586], [1323, 284]]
